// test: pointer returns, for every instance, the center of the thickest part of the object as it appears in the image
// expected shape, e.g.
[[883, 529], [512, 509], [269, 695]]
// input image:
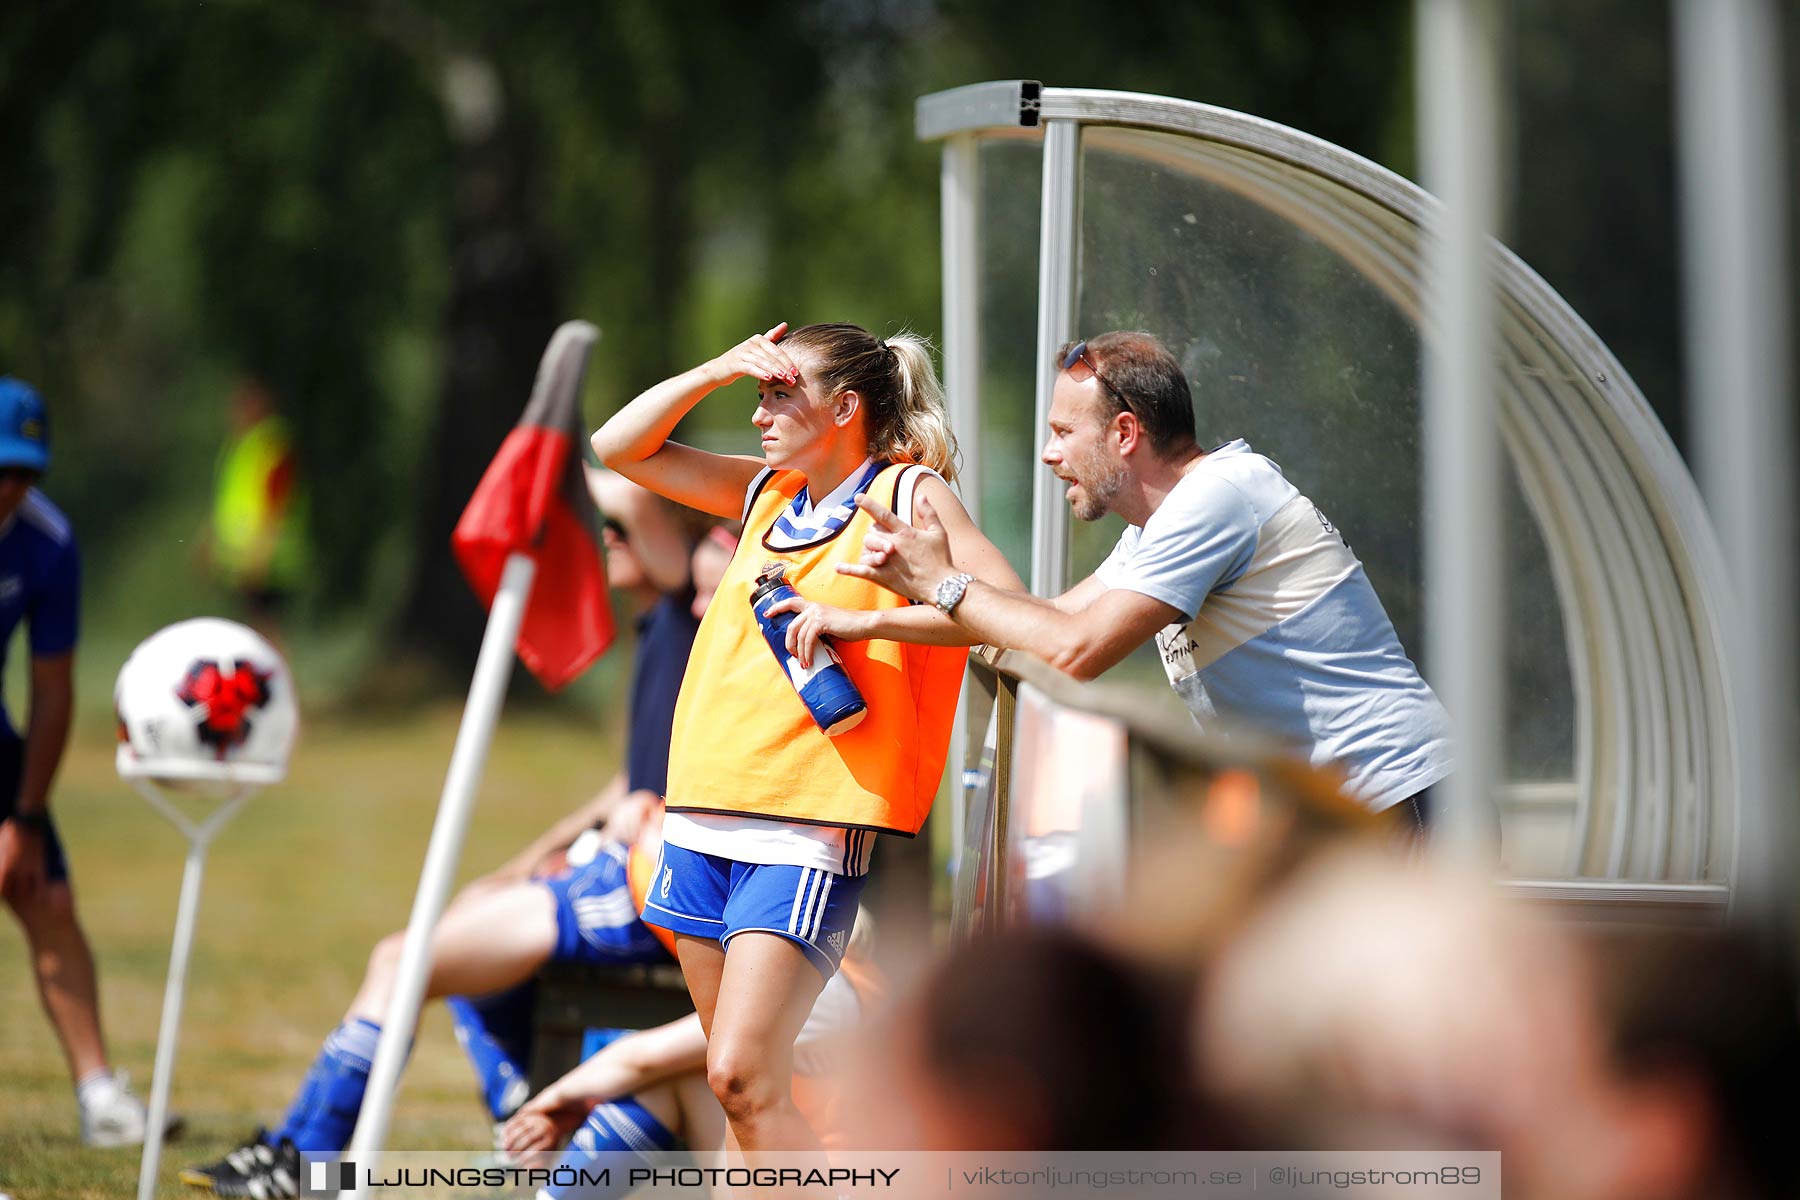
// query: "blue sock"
[[622, 1127], [324, 1111], [495, 1051]]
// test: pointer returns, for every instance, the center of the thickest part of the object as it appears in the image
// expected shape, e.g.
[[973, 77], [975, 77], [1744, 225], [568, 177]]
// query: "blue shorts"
[[12, 765], [713, 897], [596, 922]]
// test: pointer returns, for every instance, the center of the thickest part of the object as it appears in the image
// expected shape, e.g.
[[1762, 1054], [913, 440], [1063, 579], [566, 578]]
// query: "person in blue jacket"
[[40, 585]]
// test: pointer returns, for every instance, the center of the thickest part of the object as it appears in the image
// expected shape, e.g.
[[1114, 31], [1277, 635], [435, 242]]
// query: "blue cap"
[[24, 430]]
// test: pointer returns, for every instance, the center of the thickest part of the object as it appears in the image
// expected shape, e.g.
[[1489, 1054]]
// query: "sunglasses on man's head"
[[1081, 368]]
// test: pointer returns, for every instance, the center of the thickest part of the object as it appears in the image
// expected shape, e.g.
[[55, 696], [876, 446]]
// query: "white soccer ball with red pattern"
[[205, 700]]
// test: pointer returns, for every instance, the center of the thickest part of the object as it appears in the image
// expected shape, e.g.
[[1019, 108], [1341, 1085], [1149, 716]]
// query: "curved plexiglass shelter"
[[1285, 273]]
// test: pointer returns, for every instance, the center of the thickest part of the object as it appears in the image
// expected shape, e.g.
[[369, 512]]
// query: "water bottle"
[[824, 687]]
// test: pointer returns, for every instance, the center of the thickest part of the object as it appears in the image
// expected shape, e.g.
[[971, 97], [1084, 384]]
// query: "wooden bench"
[[574, 998]]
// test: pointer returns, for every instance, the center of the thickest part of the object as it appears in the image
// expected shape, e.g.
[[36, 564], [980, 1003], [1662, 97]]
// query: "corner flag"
[[532, 500], [530, 514]]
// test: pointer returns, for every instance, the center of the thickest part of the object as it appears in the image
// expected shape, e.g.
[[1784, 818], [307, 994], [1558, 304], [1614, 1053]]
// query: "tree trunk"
[[502, 309]]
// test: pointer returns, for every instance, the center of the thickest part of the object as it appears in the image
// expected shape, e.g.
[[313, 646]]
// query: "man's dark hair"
[[1139, 375]]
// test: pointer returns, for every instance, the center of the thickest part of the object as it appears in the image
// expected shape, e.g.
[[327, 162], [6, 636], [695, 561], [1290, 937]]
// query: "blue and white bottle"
[[824, 687]]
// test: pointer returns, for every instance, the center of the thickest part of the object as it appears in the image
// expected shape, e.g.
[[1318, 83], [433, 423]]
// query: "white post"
[[493, 666], [1735, 190], [960, 183], [960, 187], [1457, 114], [1059, 244], [174, 990]]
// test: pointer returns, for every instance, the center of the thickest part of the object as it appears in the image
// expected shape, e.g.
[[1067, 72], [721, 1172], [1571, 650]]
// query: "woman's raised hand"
[[760, 357]]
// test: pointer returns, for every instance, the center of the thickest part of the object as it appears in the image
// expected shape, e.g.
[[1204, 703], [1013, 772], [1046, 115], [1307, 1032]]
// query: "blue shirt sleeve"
[[53, 612], [1200, 540]]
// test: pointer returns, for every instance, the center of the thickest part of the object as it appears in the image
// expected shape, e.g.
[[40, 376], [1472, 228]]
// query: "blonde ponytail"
[[922, 432]]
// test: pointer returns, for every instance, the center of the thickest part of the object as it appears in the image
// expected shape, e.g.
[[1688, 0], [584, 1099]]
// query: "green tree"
[[385, 208], [194, 192]]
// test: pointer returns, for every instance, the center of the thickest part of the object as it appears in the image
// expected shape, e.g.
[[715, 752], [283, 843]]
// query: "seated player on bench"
[[501, 929]]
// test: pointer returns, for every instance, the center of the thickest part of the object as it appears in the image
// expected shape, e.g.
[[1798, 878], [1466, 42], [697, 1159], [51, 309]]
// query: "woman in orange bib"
[[771, 819]]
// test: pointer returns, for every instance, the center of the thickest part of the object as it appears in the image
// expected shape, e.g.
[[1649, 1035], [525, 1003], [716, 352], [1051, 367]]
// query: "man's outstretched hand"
[[910, 560]]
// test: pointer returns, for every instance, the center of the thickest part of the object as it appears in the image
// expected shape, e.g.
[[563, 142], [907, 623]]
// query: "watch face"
[[950, 591]]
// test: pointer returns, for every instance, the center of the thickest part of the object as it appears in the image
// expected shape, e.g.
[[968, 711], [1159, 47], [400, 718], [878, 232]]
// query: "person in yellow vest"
[[771, 819], [258, 537]]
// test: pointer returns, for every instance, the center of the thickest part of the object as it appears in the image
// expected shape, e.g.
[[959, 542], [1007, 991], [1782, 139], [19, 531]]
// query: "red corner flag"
[[532, 500]]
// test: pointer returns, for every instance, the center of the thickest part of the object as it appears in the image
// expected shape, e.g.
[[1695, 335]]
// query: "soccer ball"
[[205, 701]]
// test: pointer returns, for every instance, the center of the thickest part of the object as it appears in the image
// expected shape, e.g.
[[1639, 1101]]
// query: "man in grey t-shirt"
[[1262, 614]]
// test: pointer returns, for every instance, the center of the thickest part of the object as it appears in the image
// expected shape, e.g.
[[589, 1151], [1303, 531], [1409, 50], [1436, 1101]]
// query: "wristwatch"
[[950, 592], [37, 822]]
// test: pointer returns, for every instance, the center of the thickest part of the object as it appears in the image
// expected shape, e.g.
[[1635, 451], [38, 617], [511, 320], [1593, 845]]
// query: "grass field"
[[297, 889]]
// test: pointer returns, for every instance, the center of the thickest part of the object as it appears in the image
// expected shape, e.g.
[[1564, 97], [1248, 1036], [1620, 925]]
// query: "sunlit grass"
[[297, 889]]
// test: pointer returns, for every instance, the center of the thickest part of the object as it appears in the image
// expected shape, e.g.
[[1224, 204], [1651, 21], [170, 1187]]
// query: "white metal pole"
[[1059, 245], [173, 991], [960, 197], [1735, 190], [493, 666], [960, 187], [175, 988], [1457, 117]]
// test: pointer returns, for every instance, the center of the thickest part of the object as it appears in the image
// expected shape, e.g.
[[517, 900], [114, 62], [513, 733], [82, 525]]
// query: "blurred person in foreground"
[[1703, 1048], [1365, 1007], [257, 540], [1263, 616], [1046, 1038], [1032, 1039], [40, 584], [549, 903]]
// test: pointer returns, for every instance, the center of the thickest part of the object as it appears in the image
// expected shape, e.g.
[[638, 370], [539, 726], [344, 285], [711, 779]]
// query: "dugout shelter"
[[1287, 274]]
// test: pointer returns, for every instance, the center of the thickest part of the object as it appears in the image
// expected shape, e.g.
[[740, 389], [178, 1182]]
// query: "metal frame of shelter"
[[1634, 558]]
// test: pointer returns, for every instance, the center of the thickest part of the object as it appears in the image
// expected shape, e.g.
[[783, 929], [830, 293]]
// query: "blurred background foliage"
[[383, 207]]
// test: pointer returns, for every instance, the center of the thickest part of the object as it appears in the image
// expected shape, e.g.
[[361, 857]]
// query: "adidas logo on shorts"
[[836, 941]]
